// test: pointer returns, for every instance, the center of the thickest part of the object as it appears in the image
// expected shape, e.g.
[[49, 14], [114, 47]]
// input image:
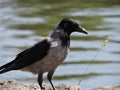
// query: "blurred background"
[[24, 22]]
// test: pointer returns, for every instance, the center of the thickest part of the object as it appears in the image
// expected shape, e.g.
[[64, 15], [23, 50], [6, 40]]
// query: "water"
[[23, 23]]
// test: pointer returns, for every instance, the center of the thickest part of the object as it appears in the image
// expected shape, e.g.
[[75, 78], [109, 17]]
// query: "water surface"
[[24, 22]]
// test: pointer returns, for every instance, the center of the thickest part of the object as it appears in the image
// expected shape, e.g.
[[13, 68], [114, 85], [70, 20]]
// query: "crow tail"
[[5, 68]]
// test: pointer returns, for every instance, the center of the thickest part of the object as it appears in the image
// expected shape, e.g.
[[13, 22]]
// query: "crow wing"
[[27, 57]]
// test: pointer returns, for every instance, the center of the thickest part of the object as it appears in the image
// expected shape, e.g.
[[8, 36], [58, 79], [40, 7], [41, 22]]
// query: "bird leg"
[[49, 76], [40, 80]]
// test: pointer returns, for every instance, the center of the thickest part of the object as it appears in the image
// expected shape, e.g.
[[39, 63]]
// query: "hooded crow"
[[46, 55]]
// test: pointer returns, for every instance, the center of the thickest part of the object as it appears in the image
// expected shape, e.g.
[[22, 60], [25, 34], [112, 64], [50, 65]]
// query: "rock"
[[115, 87], [16, 85]]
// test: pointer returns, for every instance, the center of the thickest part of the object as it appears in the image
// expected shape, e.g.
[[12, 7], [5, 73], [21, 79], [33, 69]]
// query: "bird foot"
[[47, 88], [43, 88]]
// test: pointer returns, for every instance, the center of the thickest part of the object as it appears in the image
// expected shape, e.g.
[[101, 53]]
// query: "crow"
[[47, 54]]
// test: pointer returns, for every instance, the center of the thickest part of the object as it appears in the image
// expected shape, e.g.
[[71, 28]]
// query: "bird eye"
[[65, 25], [76, 25]]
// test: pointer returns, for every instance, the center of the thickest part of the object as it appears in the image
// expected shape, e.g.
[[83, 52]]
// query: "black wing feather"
[[27, 57]]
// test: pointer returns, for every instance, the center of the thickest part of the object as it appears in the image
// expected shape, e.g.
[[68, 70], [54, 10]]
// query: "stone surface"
[[115, 87], [16, 85]]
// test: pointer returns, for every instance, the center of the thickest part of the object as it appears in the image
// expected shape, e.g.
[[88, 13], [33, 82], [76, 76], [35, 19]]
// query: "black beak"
[[82, 30]]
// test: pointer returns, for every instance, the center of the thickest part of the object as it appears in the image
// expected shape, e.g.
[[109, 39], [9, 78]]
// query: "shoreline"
[[12, 84]]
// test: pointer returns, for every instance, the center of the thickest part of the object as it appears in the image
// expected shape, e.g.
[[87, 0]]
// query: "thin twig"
[[103, 45], [90, 64]]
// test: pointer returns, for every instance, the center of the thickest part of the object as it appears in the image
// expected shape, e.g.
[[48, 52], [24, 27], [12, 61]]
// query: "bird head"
[[69, 26]]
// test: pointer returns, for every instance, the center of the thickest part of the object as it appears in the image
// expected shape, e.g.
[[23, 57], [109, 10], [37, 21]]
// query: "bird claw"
[[43, 88]]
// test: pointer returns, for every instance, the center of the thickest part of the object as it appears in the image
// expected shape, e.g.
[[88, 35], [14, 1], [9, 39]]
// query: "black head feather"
[[69, 25]]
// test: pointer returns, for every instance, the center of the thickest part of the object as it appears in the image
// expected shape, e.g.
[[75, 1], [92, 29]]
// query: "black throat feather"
[[65, 39]]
